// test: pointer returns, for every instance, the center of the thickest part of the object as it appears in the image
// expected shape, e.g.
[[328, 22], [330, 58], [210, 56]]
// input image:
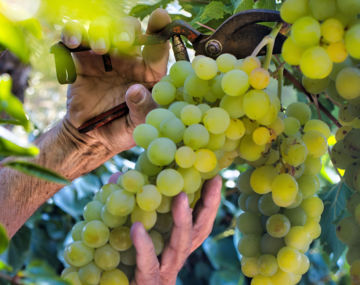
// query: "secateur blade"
[[240, 34]]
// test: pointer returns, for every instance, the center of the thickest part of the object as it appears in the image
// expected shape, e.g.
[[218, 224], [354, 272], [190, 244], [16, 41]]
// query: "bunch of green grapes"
[[211, 112], [278, 196]]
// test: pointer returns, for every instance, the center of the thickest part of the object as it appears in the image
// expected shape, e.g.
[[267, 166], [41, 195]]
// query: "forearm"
[[63, 150]]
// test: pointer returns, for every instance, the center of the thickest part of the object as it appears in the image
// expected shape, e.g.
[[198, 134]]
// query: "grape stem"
[[206, 27], [268, 41], [280, 73], [301, 88]]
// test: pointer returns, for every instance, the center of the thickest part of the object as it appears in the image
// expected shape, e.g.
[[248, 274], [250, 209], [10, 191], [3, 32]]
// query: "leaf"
[[39, 272], [244, 5], [334, 209], [10, 122], [227, 277], [4, 266], [214, 11], [143, 10], [36, 170], [19, 248], [67, 200], [8, 148], [14, 107], [4, 241], [32, 26], [265, 4]]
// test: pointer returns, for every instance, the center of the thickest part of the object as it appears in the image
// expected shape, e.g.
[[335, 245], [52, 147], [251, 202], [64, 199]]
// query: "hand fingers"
[[147, 264], [114, 177], [72, 34], [139, 100], [178, 249], [123, 35], [99, 35], [206, 211], [156, 56]]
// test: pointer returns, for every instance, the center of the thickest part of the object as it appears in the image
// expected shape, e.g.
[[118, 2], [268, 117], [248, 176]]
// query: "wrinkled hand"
[[96, 91], [188, 233]]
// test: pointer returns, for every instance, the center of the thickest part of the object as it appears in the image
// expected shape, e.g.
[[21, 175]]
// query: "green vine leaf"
[[244, 5], [214, 11], [4, 241], [143, 10], [9, 148], [36, 170]]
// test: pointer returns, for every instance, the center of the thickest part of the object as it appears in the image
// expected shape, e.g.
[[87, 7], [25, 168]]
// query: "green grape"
[[216, 142], [144, 165], [114, 277], [312, 165], [261, 179], [352, 41], [261, 280], [349, 7], [273, 156], [332, 30], [316, 143], [259, 78], [203, 108], [216, 88], [95, 234], [283, 278], [236, 129], [106, 190], [294, 151], [348, 83], [205, 161], [233, 106], [297, 216], [322, 9], [163, 93], [313, 228], [337, 52], [196, 87], [192, 179], [249, 223], [348, 231], [353, 253], [90, 274], [169, 182], [120, 203], [291, 52], [291, 10], [176, 107], [226, 62], [267, 206], [351, 203], [249, 245], [196, 136], [185, 157], [289, 259], [242, 201], [271, 245], [230, 145], [106, 257], [315, 86], [120, 238], [190, 115], [249, 150], [315, 63], [243, 182], [261, 136], [173, 129], [308, 185], [256, 104], [76, 230], [319, 126], [355, 271], [158, 241], [216, 120], [298, 200], [164, 223], [267, 265], [304, 265], [249, 266], [167, 78], [248, 64], [128, 257], [235, 82], [144, 134], [132, 181], [149, 198], [161, 151], [298, 238], [110, 220], [147, 218], [77, 254], [73, 278], [156, 116], [205, 68], [277, 126], [278, 225], [252, 203], [292, 126], [179, 72], [306, 32], [284, 190], [165, 205]]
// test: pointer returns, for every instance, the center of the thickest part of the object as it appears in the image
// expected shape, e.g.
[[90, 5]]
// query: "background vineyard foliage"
[[36, 250]]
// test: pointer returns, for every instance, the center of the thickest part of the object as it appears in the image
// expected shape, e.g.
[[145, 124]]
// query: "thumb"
[[139, 101]]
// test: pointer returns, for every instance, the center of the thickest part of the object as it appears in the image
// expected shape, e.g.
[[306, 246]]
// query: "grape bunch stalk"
[[325, 43]]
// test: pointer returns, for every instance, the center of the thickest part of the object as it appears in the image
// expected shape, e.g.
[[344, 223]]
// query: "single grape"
[[185, 157], [249, 223], [249, 150], [297, 216], [249, 245], [226, 62], [110, 220], [261, 136], [315, 63], [267, 265], [316, 143], [120, 203], [291, 10], [90, 274], [352, 40], [281, 277], [312, 165], [205, 160], [148, 198], [132, 181], [284, 190], [298, 238], [271, 245], [196, 136], [196, 87], [78, 254], [252, 100], [262, 178], [163, 93], [158, 241], [114, 277], [289, 259], [259, 78], [95, 234], [235, 82], [217, 142], [348, 83], [233, 105], [161, 151], [249, 266], [165, 205], [306, 32], [106, 257], [192, 179], [169, 182], [278, 225], [190, 115], [322, 9], [205, 68], [76, 230], [313, 228], [236, 129], [147, 218], [72, 277], [267, 206], [291, 52], [319, 126], [337, 52], [348, 231], [144, 134], [252, 202], [179, 72], [248, 64], [128, 257], [156, 116], [144, 165], [216, 120]]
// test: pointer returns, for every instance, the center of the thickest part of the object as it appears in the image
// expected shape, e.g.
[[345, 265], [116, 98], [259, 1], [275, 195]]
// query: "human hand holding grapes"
[[189, 231]]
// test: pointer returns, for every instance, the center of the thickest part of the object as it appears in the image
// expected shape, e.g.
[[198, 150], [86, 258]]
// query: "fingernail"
[[99, 45], [136, 96], [74, 41]]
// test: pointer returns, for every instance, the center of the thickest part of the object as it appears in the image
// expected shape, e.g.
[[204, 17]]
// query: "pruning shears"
[[239, 35]]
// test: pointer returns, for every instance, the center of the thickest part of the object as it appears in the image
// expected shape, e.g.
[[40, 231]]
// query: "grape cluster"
[[281, 210], [210, 113]]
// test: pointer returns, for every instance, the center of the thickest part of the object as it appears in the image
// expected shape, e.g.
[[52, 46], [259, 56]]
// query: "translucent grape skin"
[[278, 225]]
